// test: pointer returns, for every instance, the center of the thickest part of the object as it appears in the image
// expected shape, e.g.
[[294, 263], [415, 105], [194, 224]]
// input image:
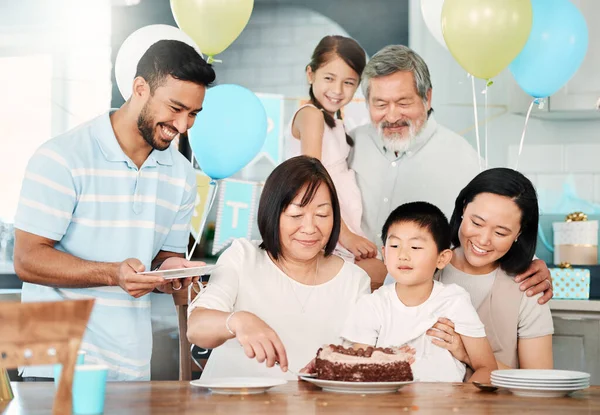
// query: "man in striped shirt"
[[112, 198]]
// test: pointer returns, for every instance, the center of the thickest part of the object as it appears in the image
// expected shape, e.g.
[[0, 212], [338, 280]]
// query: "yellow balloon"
[[484, 36], [212, 24]]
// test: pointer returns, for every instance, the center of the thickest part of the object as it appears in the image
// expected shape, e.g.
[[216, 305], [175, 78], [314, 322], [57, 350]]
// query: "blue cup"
[[58, 368], [89, 388]]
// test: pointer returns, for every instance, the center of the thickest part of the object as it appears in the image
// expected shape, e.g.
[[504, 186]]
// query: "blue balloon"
[[229, 131], [555, 49]]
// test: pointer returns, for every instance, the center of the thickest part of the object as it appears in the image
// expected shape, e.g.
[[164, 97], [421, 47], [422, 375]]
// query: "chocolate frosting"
[[359, 352]]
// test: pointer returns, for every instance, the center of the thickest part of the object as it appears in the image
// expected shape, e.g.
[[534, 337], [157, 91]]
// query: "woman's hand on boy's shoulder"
[[444, 336], [535, 280]]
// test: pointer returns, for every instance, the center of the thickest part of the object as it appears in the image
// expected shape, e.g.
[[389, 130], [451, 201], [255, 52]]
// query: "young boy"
[[416, 238]]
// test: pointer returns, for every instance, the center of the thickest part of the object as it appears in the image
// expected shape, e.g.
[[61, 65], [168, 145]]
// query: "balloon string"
[[211, 201], [211, 60], [523, 134], [486, 125], [476, 122]]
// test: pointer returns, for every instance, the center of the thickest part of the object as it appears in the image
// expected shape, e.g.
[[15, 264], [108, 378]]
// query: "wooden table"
[[179, 398]]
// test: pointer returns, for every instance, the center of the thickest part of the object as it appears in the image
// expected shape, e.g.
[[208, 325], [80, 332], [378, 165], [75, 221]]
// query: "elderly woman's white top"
[[304, 316]]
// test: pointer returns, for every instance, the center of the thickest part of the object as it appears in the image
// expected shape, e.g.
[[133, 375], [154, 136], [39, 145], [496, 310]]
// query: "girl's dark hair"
[[282, 186], [512, 184], [350, 51]]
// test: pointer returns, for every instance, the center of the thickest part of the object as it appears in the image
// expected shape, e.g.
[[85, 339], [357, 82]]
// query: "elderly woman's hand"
[[445, 337], [258, 339]]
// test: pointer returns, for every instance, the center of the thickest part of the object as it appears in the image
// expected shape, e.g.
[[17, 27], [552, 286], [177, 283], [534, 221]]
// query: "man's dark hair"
[[425, 215], [176, 59], [282, 186]]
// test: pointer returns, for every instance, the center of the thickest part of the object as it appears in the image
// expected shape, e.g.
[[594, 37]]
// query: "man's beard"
[[146, 128], [397, 142]]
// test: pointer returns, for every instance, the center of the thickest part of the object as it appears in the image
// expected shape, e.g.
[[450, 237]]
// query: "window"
[[25, 117]]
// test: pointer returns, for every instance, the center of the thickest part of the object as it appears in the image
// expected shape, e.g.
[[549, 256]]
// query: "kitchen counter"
[[575, 305], [159, 398]]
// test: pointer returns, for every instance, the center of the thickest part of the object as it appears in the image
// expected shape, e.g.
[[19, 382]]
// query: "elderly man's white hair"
[[397, 58]]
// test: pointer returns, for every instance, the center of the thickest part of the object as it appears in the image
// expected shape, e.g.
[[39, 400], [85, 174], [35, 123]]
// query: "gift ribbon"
[[576, 217]]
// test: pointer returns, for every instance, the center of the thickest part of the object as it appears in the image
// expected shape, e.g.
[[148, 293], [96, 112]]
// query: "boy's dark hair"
[[510, 183], [281, 187], [426, 216], [174, 58]]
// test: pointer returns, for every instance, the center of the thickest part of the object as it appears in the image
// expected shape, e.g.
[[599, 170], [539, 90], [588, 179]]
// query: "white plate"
[[538, 386], [538, 392], [238, 386], [542, 382], [357, 387], [170, 274], [541, 387], [540, 374]]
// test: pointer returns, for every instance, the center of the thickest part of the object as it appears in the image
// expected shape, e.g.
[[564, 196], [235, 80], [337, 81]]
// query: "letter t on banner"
[[236, 212]]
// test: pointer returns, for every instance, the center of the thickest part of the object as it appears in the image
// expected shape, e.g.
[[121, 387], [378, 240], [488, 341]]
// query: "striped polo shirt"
[[81, 190]]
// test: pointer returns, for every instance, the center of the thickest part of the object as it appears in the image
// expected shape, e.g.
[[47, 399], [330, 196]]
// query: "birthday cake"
[[373, 364]]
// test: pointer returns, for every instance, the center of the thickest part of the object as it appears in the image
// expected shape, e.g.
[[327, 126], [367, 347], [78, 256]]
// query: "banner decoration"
[[206, 190], [272, 149], [204, 194], [355, 114], [236, 212]]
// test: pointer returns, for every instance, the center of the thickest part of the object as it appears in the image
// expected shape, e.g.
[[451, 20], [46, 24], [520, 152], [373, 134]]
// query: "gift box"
[[576, 240], [571, 283]]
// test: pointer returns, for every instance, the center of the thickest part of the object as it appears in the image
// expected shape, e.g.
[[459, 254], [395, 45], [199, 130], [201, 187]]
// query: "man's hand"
[[171, 286], [133, 283], [535, 280]]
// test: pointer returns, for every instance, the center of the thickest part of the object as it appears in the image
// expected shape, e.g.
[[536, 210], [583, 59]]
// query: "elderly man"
[[404, 155]]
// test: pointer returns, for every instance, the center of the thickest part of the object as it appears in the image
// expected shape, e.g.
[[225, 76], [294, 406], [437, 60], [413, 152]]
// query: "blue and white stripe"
[[81, 190]]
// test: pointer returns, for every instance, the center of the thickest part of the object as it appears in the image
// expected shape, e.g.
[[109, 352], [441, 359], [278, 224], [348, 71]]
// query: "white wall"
[[556, 153], [271, 53]]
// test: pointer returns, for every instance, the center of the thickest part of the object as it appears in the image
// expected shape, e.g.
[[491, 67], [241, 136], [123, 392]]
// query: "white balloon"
[[136, 45], [432, 14]]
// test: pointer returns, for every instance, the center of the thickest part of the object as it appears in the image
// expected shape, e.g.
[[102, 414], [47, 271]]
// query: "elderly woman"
[[494, 228], [279, 300]]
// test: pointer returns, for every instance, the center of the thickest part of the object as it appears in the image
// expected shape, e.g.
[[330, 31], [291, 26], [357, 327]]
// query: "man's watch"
[[157, 267]]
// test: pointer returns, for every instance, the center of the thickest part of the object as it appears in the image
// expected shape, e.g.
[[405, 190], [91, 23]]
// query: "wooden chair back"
[[182, 299], [45, 333]]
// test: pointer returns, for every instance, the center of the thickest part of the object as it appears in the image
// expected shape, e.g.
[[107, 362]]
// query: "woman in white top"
[[494, 232], [283, 299]]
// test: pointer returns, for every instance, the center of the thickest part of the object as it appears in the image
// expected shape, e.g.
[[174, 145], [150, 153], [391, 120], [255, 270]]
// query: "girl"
[[317, 130]]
